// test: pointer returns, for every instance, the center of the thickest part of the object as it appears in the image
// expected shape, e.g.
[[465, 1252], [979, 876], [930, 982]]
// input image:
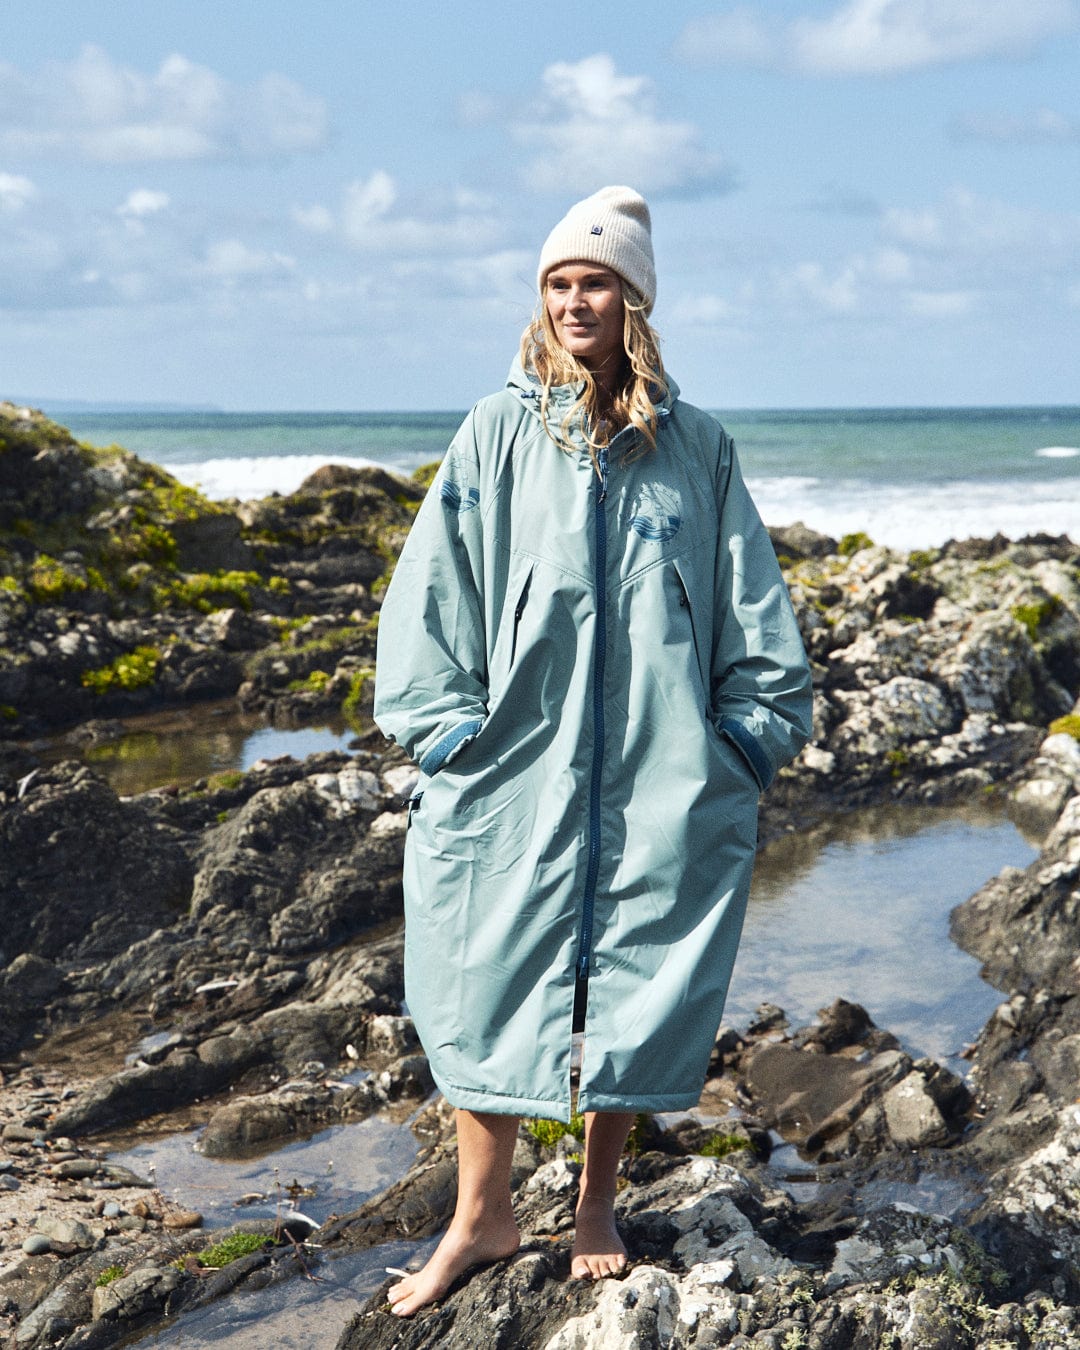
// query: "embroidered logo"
[[454, 501], [657, 513], [597, 229]]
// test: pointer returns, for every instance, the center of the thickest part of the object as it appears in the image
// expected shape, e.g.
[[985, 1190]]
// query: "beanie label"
[[597, 229]]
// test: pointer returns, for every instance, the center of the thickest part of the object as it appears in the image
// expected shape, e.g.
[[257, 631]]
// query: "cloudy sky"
[[338, 205]]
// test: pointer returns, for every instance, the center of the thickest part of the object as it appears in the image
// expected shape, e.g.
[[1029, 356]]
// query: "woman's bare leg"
[[598, 1249], [483, 1227]]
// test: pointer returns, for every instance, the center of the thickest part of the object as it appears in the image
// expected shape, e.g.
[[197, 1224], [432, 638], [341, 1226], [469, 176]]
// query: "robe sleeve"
[[762, 698], [431, 665]]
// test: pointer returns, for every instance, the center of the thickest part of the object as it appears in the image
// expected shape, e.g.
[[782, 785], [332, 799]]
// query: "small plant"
[[314, 683], [50, 581], [279, 585], [854, 543], [1069, 725], [897, 761], [229, 1249], [208, 591], [549, 1132], [350, 706], [107, 1276], [130, 670], [229, 778], [720, 1145], [8, 713], [425, 474], [1033, 616]]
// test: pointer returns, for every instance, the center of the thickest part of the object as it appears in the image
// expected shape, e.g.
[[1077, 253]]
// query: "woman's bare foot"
[[598, 1250], [463, 1245]]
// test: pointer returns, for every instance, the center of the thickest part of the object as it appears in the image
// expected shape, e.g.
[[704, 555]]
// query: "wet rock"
[[1029, 1219], [60, 898], [140, 1291]]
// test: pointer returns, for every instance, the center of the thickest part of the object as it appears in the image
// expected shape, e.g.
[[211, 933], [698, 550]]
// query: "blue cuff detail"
[[443, 748], [746, 744]]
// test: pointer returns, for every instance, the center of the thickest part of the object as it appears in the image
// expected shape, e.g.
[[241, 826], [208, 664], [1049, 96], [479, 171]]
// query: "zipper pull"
[[603, 472]]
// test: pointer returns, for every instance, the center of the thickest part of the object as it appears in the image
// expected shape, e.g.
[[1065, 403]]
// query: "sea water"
[[908, 477]]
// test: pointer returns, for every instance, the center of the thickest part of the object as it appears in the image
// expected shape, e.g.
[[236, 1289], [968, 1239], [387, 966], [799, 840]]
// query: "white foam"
[[258, 476], [922, 515], [1058, 452]]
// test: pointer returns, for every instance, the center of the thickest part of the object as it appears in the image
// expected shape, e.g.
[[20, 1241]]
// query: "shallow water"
[[332, 1172], [858, 908], [180, 746]]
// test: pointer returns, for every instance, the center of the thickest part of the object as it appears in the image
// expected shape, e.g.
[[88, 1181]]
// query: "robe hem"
[[501, 1103]]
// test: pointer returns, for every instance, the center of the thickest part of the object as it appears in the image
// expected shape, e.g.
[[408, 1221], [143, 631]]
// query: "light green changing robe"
[[597, 676]]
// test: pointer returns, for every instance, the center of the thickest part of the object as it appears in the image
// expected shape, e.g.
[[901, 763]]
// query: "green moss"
[[919, 559], [854, 543], [897, 761], [425, 474], [549, 1132], [315, 683], [350, 706], [130, 670], [143, 541], [720, 1145], [229, 1249], [50, 581], [107, 1276], [207, 591], [11, 585], [1069, 725], [279, 585], [222, 817], [230, 778], [1039, 612], [8, 713]]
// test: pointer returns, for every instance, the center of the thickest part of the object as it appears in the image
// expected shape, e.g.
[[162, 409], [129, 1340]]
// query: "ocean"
[[907, 477]]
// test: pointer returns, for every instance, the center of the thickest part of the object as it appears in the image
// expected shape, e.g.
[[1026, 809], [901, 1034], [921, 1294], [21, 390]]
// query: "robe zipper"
[[600, 646]]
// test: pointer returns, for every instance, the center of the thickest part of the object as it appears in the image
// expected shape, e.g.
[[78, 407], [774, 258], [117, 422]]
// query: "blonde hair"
[[643, 382]]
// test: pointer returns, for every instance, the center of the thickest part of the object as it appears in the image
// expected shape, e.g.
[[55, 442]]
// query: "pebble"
[[37, 1244], [112, 1210], [10, 1183]]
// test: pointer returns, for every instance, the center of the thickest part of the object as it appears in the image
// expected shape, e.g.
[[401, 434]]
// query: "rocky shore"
[[227, 952]]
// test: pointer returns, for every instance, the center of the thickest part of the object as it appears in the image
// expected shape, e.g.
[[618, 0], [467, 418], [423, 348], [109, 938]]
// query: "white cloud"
[[372, 219], [233, 260], [97, 109], [594, 126], [966, 229], [738, 37], [699, 311], [15, 192], [143, 202], [876, 37], [317, 219], [1045, 125], [940, 304], [838, 294]]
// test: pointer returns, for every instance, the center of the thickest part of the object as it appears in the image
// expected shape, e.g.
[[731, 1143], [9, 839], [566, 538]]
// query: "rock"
[[37, 1244], [66, 1232], [140, 1291], [181, 1219]]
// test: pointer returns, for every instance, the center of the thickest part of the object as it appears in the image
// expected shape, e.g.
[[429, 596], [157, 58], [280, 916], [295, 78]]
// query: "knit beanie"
[[612, 227]]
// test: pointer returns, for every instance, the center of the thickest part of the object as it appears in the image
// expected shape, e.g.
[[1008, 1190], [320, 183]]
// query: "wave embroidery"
[[654, 530], [453, 500]]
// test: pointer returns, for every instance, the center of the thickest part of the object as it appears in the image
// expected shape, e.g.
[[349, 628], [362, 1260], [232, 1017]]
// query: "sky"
[[340, 204]]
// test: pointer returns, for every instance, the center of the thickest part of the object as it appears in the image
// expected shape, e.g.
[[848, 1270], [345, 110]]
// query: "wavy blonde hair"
[[642, 385]]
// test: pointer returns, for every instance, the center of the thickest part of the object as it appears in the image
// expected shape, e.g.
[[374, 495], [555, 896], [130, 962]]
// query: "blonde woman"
[[588, 647]]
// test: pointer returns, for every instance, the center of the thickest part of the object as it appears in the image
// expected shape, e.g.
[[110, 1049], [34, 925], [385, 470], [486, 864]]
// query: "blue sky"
[[339, 205]]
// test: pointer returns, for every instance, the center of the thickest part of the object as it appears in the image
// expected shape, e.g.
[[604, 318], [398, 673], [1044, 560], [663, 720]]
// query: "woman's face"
[[584, 301]]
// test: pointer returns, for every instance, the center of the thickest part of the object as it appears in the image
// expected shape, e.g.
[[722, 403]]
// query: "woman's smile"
[[585, 304]]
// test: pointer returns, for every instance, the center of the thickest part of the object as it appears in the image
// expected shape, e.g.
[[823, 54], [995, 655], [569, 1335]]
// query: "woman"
[[588, 647]]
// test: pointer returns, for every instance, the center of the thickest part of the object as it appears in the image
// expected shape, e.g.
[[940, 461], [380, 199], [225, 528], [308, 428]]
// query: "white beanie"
[[612, 227]]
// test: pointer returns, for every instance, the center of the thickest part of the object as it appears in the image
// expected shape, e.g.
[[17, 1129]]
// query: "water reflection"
[[183, 745], [858, 909]]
